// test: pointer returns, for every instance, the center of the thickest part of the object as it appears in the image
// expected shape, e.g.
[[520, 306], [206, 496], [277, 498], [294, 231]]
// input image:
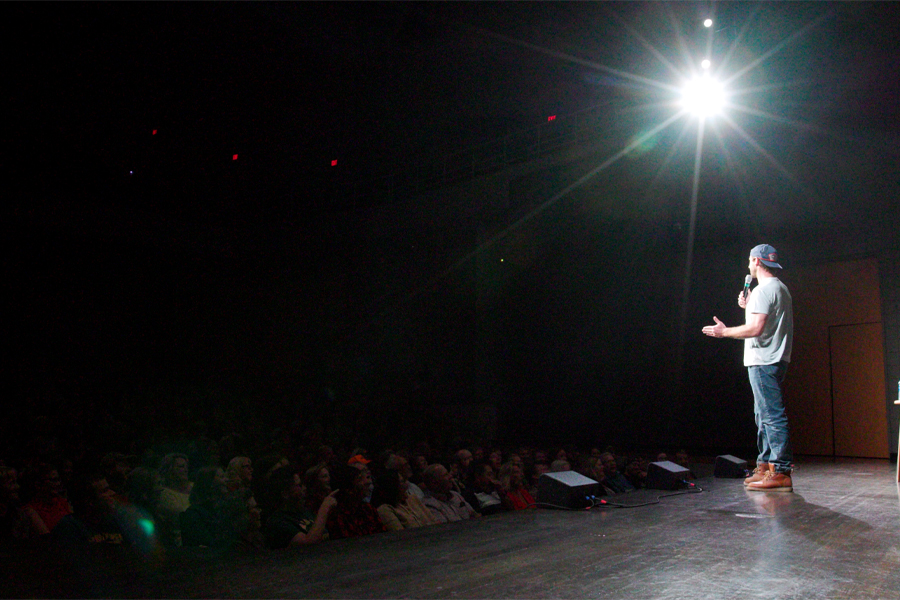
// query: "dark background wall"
[[542, 298]]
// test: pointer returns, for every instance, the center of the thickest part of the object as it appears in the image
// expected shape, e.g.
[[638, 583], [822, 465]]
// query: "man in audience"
[[395, 462], [614, 479], [352, 516], [361, 463], [636, 472], [446, 503], [483, 491], [116, 469], [94, 521]]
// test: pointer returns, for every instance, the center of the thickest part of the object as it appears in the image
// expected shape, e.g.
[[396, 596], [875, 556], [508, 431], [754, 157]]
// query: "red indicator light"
[[154, 132], [334, 163], [551, 118], [234, 157]]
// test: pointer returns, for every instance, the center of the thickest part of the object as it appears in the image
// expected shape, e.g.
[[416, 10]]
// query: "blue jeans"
[[772, 437]]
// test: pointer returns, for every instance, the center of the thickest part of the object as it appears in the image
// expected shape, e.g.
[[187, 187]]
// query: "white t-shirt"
[[773, 345]]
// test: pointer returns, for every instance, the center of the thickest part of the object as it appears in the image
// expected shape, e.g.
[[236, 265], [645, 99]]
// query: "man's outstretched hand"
[[717, 330]]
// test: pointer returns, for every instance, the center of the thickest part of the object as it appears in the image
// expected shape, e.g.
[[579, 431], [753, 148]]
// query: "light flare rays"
[[777, 48], [671, 90], [580, 61], [548, 203]]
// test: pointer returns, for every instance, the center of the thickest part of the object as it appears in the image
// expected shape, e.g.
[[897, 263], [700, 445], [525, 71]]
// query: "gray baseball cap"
[[767, 254]]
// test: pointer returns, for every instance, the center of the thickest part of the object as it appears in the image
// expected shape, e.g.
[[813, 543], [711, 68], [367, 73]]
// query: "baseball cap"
[[359, 458], [767, 254]]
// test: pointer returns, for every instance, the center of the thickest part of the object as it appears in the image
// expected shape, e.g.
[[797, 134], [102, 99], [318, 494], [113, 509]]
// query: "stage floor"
[[836, 536]]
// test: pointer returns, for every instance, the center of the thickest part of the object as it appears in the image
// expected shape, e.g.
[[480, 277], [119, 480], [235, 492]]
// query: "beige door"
[[857, 390]]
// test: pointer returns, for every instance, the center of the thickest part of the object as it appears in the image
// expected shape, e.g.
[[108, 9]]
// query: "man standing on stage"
[[768, 335]]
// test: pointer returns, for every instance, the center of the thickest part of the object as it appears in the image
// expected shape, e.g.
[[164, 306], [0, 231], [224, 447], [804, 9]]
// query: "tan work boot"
[[758, 473], [773, 481]]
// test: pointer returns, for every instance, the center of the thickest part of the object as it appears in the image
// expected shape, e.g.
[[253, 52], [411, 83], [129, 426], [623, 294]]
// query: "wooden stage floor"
[[836, 536]]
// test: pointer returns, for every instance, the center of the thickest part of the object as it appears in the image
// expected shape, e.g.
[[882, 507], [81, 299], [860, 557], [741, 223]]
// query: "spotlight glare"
[[705, 64], [707, 23], [703, 96]]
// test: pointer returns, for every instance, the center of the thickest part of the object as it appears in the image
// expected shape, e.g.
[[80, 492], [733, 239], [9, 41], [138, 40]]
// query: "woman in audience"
[[49, 504], [317, 481], [201, 522], [239, 473], [512, 481], [397, 508]]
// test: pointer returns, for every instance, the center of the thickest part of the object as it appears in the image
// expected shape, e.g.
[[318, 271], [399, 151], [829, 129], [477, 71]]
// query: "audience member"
[[352, 516], [537, 469], [12, 518], [513, 483], [174, 498], [361, 464], [459, 470], [241, 520], [559, 465], [48, 504], [317, 481], [142, 488], [239, 473], [115, 469], [495, 459], [94, 520], [614, 479], [395, 462], [418, 463], [292, 524], [483, 491], [636, 472], [596, 472], [201, 523], [397, 508], [446, 503], [682, 460]]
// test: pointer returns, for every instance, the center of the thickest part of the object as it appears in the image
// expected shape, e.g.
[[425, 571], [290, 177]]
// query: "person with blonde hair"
[[239, 473], [174, 498], [512, 481]]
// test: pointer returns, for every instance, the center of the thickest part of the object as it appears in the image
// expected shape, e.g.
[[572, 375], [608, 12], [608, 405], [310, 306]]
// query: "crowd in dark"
[[291, 486]]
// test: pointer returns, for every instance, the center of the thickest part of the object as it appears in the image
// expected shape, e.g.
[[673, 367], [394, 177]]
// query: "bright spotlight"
[[705, 64], [707, 23], [703, 96]]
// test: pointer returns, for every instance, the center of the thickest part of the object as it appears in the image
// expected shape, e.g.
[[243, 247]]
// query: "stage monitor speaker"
[[566, 489], [665, 475], [729, 466]]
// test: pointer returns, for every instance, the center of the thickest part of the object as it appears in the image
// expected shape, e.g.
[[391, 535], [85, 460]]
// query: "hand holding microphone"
[[745, 293]]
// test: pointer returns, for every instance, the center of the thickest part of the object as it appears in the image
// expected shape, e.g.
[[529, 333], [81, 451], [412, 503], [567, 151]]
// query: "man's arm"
[[754, 326]]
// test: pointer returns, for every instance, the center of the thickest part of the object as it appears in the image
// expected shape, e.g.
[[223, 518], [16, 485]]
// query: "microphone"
[[747, 281]]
